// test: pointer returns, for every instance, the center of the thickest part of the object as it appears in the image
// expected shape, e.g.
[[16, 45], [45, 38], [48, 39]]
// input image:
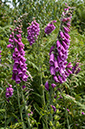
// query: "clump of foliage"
[[32, 103]]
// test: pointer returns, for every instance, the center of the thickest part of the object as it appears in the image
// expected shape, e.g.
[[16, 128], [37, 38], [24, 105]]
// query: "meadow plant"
[[19, 67], [60, 69], [33, 32]]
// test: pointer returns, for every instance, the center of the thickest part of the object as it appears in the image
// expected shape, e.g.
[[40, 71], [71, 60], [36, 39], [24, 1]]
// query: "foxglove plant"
[[19, 67], [59, 67], [33, 32]]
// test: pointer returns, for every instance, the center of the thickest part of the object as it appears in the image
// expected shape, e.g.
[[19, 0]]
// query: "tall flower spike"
[[33, 32], [19, 67], [59, 67]]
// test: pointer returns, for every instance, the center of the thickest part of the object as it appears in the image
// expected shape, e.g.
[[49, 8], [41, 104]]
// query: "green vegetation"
[[32, 106]]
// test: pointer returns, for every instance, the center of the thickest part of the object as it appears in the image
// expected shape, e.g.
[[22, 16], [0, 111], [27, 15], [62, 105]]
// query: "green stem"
[[20, 109], [28, 121], [5, 116], [50, 98], [67, 117]]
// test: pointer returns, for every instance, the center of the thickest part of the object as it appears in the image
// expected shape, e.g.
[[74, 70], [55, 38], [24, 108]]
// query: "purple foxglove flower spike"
[[19, 67], [33, 32], [59, 56]]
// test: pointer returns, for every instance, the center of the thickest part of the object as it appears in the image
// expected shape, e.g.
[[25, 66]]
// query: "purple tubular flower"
[[69, 71], [61, 55], [62, 35], [58, 45], [55, 79], [24, 78], [47, 86], [60, 79], [67, 41], [10, 46], [49, 28], [65, 45], [69, 65], [56, 65], [66, 35], [51, 49], [61, 70], [18, 79], [66, 29], [54, 108], [15, 70], [53, 85], [33, 32], [51, 59], [60, 62], [52, 70]]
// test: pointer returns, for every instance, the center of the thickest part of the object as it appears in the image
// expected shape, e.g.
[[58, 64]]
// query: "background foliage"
[[37, 98]]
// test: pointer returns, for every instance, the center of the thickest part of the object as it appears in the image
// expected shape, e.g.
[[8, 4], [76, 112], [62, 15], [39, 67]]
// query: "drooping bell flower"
[[47, 86], [53, 85], [51, 59]]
